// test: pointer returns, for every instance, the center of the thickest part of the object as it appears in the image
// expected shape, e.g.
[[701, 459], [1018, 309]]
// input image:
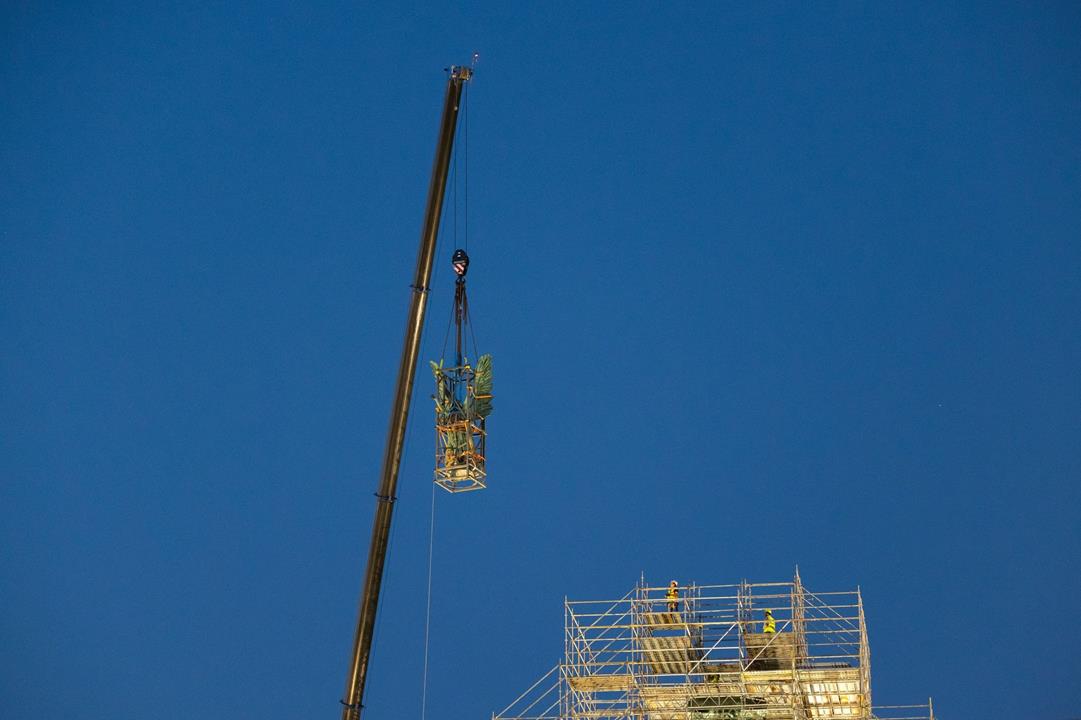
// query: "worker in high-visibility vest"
[[673, 596], [769, 625]]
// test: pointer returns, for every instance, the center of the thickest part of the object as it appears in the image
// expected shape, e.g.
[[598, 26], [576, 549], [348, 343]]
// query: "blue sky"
[[765, 284]]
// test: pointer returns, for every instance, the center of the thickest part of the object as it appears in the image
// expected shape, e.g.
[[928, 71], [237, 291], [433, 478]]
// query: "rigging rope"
[[428, 612]]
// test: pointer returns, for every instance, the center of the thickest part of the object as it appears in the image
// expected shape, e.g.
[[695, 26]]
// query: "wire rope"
[[472, 333], [454, 194], [465, 165], [428, 613], [446, 337]]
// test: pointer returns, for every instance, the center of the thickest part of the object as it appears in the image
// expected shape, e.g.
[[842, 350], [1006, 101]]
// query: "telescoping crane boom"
[[399, 413]]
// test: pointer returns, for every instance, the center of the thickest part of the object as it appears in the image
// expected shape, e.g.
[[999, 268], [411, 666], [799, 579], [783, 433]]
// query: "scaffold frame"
[[714, 658]]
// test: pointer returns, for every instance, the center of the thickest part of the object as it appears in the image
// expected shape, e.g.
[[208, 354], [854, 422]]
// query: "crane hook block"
[[460, 261]]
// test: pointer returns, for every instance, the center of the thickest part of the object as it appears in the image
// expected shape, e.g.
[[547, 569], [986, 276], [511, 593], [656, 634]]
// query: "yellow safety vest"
[[770, 625], [673, 593]]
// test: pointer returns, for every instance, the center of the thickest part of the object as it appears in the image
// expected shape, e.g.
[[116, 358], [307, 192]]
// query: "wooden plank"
[[601, 682], [667, 655], [661, 619]]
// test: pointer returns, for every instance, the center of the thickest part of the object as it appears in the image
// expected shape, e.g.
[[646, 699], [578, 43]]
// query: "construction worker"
[[673, 596], [769, 625]]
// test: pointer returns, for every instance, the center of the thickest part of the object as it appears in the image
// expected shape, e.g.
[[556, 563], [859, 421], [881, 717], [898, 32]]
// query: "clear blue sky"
[[765, 284]]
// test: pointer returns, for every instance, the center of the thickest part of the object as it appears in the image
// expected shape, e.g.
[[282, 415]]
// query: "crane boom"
[[399, 413]]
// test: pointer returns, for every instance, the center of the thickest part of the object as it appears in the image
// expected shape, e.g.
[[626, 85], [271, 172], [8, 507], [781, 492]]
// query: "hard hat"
[[769, 612], [673, 583]]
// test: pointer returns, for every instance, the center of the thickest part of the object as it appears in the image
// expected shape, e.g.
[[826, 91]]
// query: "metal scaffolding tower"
[[714, 656]]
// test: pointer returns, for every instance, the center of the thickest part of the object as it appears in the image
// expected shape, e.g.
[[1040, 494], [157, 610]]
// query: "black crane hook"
[[460, 261]]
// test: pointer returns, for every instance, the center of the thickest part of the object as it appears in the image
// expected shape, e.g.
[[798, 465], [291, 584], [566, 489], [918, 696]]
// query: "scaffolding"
[[714, 657]]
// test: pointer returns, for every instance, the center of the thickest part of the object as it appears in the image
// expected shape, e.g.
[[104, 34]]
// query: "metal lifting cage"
[[459, 427]]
